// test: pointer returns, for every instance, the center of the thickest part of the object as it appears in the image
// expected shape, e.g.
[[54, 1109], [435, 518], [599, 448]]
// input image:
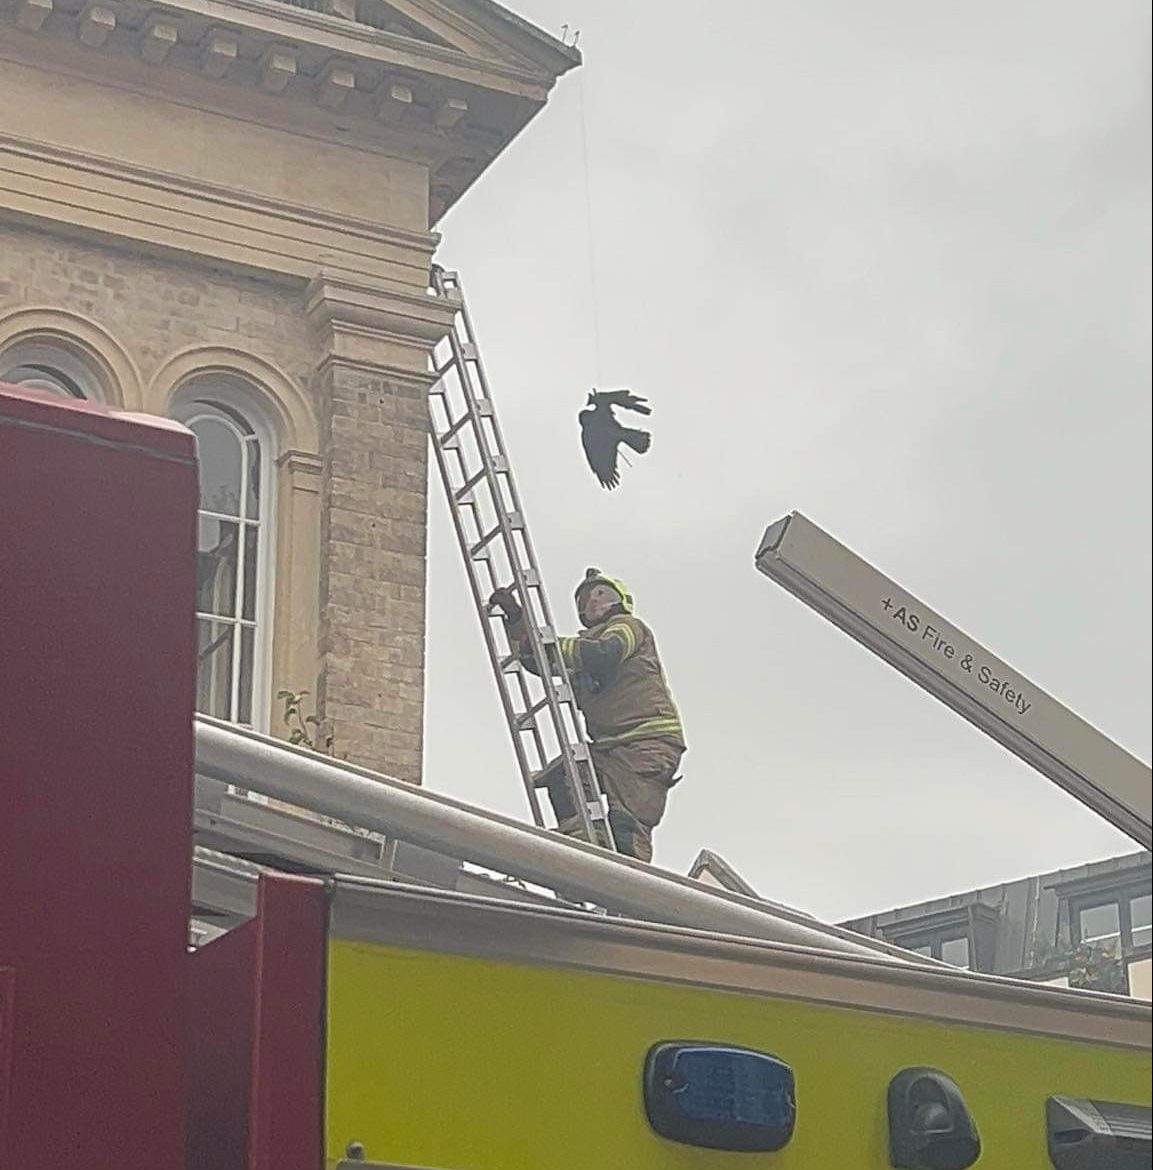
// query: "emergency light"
[[719, 1096]]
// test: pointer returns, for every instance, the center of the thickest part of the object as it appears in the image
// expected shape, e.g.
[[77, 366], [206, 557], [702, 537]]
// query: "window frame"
[[77, 377], [235, 397], [1121, 896], [975, 922], [935, 940]]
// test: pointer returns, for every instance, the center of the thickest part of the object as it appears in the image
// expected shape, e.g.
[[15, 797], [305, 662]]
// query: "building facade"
[[1087, 927], [1084, 927], [225, 213]]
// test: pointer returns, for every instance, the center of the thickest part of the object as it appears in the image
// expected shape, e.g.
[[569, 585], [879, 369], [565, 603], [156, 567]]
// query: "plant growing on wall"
[[303, 728]]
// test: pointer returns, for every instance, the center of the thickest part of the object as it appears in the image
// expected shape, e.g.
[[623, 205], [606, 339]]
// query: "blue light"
[[719, 1096], [723, 1084]]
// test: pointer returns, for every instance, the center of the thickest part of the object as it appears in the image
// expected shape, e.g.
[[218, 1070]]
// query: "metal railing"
[[574, 869]]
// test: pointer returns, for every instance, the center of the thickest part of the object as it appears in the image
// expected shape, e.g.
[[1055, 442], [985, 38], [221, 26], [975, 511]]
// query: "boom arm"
[[960, 672]]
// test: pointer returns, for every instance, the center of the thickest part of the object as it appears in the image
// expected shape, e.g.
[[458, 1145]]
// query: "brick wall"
[[154, 307], [373, 567], [371, 558]]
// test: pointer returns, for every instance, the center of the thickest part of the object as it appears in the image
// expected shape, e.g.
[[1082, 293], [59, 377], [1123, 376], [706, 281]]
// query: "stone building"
[[224, 211]]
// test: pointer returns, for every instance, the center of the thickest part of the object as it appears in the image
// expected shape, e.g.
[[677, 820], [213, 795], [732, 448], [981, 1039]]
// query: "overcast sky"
[[885, 264]]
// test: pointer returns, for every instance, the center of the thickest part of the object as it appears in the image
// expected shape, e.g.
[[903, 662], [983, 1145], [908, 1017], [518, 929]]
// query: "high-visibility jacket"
[[618, 681]]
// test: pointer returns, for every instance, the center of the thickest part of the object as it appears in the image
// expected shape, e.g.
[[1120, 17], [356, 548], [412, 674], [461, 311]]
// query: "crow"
[[602, 435]]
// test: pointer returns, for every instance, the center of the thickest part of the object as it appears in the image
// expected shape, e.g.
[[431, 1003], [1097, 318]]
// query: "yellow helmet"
[[596, 577]]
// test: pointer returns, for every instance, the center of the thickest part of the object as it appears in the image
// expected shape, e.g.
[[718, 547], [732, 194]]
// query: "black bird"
[[602, 435]]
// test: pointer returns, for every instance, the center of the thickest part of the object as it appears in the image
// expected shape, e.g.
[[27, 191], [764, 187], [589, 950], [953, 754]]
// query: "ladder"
[[491, 530]]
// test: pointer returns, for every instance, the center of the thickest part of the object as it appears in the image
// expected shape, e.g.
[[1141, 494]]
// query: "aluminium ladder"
[[493, 536]]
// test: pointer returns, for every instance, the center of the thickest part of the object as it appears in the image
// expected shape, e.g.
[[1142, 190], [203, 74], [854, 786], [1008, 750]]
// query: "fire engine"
[[560, 1008]]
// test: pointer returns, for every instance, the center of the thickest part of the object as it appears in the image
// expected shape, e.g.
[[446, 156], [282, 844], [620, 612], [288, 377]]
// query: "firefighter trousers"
[[635, 778]]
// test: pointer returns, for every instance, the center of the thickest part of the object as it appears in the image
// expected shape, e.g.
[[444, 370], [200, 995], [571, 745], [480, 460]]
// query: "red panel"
[[97, 557], [287, 1077], [256, 1036], [222, 1000], [7, 1023]]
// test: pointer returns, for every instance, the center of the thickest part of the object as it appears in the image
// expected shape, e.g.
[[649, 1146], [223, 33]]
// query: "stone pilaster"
[[373, 385]]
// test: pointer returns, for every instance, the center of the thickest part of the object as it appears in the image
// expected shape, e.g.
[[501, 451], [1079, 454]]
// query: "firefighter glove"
[[506, 601]]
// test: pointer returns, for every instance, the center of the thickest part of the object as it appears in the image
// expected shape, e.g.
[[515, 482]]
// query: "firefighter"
[[632, 722]]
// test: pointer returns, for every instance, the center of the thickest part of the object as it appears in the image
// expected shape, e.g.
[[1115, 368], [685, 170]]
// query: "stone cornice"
[[452, 109], [391, 370], [557, 57], [394, 313], [496, 62], [301, 463], [327, 30]]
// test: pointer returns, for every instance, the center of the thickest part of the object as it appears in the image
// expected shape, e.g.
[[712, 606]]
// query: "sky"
[[885, 264]]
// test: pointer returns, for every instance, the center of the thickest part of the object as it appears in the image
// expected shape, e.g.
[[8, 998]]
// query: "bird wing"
[[623, 398], [600, 441]]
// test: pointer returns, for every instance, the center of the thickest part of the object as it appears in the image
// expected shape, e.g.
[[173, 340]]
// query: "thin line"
[[589, 229]]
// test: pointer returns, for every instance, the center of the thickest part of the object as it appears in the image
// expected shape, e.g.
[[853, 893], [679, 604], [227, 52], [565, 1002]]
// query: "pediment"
[[480, 31]]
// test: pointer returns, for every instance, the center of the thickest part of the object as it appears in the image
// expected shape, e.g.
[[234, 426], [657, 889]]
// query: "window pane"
[[42, 377], [251, 564], [228, 566], [955, 951], [252, 502], [218, 446], [216, 567], [1139, 912], [247, 657], [1099, 923], [214, 677], [1141, 979]]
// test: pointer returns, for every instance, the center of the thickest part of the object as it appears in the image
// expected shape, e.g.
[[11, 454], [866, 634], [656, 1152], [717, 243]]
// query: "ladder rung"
[[468, 485], [445, 438], [468, 351], [514, 520], [481, 545], [510, 664], [452, 431], [528, 718]]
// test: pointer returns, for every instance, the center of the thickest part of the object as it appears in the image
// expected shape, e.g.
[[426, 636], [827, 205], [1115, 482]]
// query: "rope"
[[592, 262]]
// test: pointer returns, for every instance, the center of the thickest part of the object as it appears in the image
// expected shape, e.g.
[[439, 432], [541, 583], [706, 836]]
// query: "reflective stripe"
[[624, 632], [668, 726], [568, 651]]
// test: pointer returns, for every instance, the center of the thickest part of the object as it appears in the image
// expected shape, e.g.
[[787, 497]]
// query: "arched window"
[[232, 568], [45, 365]]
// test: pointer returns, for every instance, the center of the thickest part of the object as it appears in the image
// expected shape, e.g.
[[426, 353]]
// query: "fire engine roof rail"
[[573, 868]]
